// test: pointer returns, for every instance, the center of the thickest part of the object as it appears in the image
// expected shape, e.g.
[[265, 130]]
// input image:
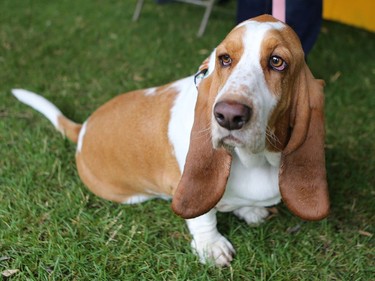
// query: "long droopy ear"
[[206, 169], [302, 175]]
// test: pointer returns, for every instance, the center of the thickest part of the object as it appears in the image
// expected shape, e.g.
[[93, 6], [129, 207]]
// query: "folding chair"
[[208, 4]]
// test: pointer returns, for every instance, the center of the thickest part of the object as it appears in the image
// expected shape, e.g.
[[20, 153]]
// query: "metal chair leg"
[[138, 10], [206, 17], [208, 4]]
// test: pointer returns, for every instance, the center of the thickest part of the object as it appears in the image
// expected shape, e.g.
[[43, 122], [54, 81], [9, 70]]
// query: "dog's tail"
[[67, 127]]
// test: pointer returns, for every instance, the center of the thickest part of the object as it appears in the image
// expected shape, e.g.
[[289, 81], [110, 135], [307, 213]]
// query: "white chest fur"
[[182, 118], [253, 181]]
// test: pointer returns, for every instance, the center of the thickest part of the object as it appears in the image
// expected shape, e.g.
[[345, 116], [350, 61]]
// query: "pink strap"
[[278, 9]]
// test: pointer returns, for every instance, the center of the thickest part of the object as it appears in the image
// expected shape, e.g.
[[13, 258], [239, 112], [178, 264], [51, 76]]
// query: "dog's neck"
[[249, 159]]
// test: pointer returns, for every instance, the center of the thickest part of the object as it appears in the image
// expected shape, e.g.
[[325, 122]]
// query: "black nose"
[[232, 115]]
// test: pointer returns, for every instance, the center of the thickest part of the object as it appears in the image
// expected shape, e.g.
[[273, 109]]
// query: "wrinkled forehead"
[[260, 26], [250, 35]]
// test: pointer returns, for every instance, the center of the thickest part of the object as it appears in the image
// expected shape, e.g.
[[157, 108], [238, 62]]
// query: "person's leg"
[[247, 9], [305, 17]]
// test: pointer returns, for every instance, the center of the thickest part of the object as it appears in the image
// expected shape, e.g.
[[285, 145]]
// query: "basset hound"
[[242, 134]]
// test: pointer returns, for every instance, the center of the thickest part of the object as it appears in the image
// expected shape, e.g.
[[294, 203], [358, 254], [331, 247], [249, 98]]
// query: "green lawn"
[[81, 53]]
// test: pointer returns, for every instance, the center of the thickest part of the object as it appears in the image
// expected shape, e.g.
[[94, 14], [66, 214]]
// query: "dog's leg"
[[140, 198], [207, 242], [252, 215]]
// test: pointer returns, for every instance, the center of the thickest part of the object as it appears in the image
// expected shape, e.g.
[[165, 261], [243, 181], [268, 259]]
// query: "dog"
[[242, 134]]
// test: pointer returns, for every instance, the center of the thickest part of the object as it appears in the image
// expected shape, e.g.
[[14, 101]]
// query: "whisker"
[[208, 129], [272, 138], [204, 133]]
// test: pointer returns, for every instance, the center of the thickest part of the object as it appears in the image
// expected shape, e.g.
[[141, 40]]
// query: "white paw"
[[252, 215], [216, 250]]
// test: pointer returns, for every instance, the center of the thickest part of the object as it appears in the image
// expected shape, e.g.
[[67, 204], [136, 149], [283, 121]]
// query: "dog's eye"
[[225, 60], [277, 63], [199, 77]]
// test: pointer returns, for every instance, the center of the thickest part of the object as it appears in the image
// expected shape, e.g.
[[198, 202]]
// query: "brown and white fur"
[[243, 134]]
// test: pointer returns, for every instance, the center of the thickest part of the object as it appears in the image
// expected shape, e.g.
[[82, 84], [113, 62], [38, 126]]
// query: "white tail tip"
[[39, 103]]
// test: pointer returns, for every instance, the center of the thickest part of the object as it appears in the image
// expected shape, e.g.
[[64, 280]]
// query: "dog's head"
[[255, 92]]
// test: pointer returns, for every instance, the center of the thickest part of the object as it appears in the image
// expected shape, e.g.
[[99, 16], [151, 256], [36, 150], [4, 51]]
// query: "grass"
[[81, 53]]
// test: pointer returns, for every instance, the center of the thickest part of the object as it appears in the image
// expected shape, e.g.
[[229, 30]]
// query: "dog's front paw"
[[252, 215], [216, 250]]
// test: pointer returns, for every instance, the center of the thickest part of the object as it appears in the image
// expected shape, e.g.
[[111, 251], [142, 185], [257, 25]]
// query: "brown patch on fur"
[[233, 46], [69, 128], [126, 150]]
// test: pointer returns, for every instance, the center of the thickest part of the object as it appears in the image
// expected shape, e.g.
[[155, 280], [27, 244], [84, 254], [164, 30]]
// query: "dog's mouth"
[[229, 142]]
